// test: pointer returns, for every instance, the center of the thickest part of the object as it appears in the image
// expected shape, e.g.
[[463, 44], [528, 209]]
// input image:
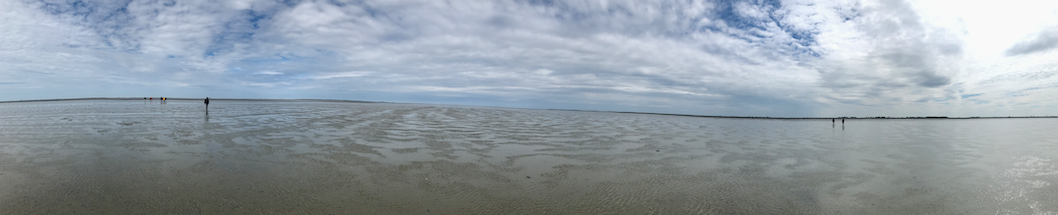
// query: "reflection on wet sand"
[[329, 157]]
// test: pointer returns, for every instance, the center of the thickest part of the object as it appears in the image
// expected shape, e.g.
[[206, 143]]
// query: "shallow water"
[[254, 157]]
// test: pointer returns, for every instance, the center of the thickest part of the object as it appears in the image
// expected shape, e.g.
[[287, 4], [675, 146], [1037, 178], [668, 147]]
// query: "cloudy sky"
[[747, 58]]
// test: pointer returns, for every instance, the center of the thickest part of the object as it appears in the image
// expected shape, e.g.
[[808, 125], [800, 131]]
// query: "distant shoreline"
[[626, 112], [172, 98], [825, 118], [812, 118]]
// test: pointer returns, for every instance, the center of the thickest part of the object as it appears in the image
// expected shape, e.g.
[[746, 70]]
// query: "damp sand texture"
[[273, 157]]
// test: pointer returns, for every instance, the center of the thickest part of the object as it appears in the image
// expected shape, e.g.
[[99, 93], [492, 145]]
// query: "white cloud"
[[784, 58], [256, 84], [340, 75], [268, 73]]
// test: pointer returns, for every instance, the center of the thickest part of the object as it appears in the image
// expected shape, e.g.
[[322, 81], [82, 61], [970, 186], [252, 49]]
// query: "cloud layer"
[[758, 58]]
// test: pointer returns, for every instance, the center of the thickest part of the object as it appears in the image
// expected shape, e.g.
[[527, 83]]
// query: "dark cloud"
[[932, 80], [1045, 40]]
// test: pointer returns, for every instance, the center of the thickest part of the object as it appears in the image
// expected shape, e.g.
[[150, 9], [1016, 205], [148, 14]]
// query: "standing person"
[[207, 103], [831, 122]]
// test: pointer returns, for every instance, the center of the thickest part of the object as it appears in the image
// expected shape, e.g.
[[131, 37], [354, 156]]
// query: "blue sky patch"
[[971, 95]]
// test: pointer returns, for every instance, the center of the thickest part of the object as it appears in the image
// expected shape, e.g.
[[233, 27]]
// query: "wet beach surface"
[[269, 157]]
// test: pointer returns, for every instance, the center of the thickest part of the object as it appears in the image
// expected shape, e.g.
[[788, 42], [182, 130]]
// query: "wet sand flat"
[[275, 157]]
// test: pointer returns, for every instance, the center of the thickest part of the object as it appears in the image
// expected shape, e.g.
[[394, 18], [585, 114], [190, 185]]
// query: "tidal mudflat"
[[269, 157]]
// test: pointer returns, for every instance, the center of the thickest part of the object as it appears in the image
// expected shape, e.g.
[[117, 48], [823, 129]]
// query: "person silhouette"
[[207, 103]]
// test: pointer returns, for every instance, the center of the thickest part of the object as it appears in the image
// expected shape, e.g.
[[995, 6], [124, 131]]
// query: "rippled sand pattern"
[[247, 157]]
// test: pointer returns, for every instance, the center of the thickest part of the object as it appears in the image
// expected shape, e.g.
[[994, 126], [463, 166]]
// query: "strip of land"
[[664, 114]]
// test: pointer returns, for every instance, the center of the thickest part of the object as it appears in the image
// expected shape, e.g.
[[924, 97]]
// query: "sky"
[[775, 58]]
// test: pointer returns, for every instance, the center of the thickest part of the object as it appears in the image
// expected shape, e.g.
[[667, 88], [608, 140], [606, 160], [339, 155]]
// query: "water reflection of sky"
[[321, 157]]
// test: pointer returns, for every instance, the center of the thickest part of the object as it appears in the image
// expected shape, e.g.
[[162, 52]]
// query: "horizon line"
[[627, 112]]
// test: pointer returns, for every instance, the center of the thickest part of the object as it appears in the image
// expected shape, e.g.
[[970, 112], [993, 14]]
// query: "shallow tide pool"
[[289, 157]]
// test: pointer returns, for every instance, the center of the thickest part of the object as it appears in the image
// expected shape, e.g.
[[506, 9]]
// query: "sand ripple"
[[246, 157]]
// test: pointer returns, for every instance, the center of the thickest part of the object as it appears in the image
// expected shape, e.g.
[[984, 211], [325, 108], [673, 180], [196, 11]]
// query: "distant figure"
[[207, 103], [832, 122], [842, 122]]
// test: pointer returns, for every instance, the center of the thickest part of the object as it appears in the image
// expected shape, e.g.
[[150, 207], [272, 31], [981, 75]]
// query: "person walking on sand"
[[207, 103]]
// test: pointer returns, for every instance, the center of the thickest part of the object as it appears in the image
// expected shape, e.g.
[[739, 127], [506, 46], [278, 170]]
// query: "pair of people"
[[832, 121]]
